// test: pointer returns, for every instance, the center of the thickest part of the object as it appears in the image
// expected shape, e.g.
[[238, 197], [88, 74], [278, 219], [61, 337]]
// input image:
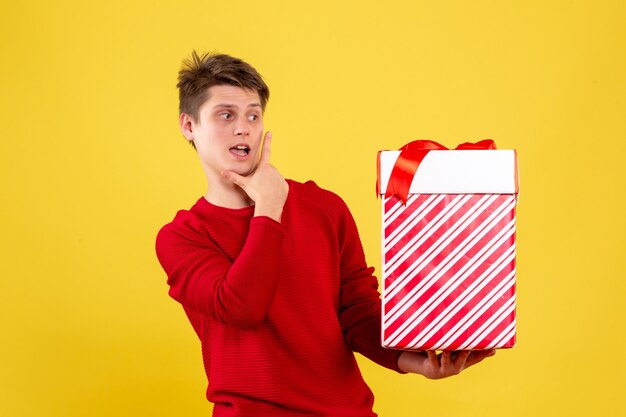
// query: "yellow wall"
[[92, 164]]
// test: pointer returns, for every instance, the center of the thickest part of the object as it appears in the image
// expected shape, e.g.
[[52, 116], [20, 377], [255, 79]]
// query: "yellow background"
[[92, 164]]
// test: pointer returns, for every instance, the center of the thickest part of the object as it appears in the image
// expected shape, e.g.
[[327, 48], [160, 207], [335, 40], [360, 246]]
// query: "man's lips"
[[240, 150]]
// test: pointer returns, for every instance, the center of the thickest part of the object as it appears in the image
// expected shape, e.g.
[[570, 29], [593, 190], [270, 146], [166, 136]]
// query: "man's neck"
[[227, 195]]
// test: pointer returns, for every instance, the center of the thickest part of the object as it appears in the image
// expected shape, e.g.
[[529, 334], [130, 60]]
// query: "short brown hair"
[[200, 72]]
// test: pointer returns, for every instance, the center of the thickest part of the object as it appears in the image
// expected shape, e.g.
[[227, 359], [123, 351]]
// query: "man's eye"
[[253, 117], [226, 116]]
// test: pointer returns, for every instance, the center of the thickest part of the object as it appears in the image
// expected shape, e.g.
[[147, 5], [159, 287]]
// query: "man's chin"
[[249, 171], [242, 171]]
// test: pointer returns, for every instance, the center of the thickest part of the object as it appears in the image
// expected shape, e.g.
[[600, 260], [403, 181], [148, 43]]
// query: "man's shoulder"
[[311, 193], [185, 221], [310, 190]]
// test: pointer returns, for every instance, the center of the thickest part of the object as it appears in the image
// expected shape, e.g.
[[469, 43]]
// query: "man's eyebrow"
[[229, 106]]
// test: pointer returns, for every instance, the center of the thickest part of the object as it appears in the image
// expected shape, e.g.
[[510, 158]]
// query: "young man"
[[271, 272]]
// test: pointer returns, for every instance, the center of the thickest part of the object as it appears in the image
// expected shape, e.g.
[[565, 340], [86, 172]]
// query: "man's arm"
[[360, 308], [235, 293], [201, 277]]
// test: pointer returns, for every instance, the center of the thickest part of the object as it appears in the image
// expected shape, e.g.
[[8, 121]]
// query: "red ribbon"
[[413, 153]]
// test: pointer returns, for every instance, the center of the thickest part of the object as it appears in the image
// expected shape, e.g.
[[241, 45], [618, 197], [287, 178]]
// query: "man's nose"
[[242, 128]]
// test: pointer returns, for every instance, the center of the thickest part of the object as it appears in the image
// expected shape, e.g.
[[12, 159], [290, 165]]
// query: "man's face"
[[228, 132]]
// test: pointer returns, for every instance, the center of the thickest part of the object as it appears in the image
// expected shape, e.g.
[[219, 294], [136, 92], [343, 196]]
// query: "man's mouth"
[[240, 150]]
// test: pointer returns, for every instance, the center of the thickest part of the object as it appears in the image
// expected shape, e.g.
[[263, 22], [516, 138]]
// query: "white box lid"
[[458, 172]]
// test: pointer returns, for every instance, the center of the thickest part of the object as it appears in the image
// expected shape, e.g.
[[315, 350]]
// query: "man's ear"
[[186, 126]]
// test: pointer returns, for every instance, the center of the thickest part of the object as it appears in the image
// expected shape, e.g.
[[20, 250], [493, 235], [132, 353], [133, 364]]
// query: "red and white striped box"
[[448, 255]]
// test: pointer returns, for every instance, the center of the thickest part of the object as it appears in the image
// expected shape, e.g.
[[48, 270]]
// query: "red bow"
[[412, 155]]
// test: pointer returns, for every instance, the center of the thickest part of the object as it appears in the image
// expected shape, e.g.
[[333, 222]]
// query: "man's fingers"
[[265, 151], [477, 356], [235, 178], [445, 359], [432, 357], [461, 358]]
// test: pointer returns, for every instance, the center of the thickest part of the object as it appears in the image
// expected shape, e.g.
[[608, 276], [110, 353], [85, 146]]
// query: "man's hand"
[[445, 364], [265, 186]]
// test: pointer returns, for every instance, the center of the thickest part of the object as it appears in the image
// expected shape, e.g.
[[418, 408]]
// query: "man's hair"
[[200, 72]]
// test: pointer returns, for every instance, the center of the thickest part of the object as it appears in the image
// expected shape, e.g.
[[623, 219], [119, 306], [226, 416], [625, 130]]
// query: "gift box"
[[448, 246]]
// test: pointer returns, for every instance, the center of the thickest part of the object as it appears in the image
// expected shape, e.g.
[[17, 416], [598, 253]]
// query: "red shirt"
[[278, 307]]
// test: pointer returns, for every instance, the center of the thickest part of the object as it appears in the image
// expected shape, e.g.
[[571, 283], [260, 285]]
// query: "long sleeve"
[[360, 310], [235, 290]]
